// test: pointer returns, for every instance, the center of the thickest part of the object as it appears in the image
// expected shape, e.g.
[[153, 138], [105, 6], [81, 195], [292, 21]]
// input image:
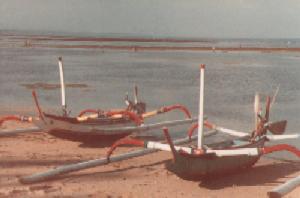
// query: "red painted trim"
[[9, 117], [124, 141], [15, 118], [280, 147], [177, 106]]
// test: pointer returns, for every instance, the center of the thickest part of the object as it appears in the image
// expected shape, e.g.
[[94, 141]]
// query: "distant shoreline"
[[104, 39], [169, 48], [138, 44]]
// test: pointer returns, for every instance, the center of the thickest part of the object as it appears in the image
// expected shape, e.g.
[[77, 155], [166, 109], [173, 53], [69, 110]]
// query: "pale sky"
[[178, 18]]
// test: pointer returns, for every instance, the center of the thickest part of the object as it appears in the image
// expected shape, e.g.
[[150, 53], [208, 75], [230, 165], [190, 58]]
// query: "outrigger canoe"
[[192, 162]]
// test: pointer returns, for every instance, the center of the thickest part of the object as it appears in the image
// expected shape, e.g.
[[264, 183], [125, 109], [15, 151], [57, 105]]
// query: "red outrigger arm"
[[23, 118], [190, 131], [15, 118], [195, 126], [280, 147], [124, 141], [173, 107], [167, 109]]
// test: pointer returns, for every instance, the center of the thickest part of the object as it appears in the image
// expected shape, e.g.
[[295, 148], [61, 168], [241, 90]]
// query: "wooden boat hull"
[[98, 129], [192, 167], [90, 130]]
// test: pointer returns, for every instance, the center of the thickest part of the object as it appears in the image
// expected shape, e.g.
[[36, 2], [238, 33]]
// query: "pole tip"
[[60, 58], [33, 92], [202, 66], [165, 129]]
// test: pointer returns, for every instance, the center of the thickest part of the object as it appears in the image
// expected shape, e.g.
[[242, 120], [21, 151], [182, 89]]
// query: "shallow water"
[[164, 78]]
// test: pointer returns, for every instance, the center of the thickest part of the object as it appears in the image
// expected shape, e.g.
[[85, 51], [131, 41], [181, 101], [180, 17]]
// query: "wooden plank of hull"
[[90, 137], [195, 167], [50, 124]]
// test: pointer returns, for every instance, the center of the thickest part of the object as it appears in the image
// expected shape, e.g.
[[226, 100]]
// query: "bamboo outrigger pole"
[[285, 188], [201, 107], [6, 133], [62, 85]]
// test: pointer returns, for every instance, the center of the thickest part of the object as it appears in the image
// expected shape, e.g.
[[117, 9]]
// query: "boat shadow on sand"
[[95, 141], [257, 175], [264, 174], [88, 141], [108, 175]]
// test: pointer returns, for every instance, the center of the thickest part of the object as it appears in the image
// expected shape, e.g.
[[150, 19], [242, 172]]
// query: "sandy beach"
[[139, 177]]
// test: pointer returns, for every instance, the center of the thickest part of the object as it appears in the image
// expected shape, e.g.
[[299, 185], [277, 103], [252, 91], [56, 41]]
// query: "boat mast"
[[135, 94], [62, 86], [201, 107]]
